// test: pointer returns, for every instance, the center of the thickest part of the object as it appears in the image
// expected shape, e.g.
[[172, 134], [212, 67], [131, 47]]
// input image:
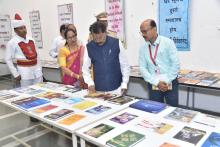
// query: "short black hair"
[[62, 28], [153, 24], [65, 33], [97, 27]]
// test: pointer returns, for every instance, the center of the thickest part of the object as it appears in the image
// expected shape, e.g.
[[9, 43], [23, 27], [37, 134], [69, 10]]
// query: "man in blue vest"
[[111, 68]]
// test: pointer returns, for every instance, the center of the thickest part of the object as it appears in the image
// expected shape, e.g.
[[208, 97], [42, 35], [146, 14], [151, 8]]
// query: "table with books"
[[63, 106], [191, 80], [147, 123]]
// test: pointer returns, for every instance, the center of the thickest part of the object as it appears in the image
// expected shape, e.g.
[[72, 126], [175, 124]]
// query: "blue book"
[[30, 102], [213, 140], [149, 106]]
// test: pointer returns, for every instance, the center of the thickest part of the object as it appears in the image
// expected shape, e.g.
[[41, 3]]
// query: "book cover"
[[71, 119], [121, 100], [45, 108], [126, 139], [99, 130], [69, 88], [53, 95], [59, 114], [123, 118], [216, 84], [149, 106], [84, 105], [192, 81], [99, 109], [182, 115], [73, 100], [49, 85], [28, 90], [212, 141], [166, 144], [154, 126], [103, 96], [7, 95], [208, 120], [30, 102], [190, 135]]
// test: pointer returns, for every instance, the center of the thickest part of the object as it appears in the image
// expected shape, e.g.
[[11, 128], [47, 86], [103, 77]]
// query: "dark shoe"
[[33, 119]]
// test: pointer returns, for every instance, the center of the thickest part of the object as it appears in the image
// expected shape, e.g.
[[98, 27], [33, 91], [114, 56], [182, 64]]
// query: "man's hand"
[[18, 78], [163, 86], [123, 91], [91, 89]]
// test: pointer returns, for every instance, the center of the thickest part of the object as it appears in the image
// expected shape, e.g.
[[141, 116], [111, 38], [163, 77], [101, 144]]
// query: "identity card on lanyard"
[[153, 58]]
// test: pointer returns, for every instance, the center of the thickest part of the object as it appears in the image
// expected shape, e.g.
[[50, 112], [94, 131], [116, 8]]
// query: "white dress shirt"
[[14, 52], [125, 68], [58, 42]]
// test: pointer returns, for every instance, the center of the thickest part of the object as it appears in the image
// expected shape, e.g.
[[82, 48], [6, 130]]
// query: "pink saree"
[[74, 63]]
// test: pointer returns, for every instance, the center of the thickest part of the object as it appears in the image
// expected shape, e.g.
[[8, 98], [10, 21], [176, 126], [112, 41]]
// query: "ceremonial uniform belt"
[[27, 62]]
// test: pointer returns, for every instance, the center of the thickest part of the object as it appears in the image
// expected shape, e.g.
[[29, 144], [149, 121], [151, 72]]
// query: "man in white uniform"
[[58, 42], [22, 50]]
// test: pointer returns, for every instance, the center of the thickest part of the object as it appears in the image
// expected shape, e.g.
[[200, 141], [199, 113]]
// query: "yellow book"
[[84, 105], [71, 119]]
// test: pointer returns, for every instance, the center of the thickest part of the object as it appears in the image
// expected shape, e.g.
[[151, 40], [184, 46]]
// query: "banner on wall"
[[65, 14], [173, 22], [36, 28], [5, 30], [115, 11]]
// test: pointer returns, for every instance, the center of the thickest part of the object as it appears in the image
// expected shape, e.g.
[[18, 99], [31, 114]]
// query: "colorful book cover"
[[103, 96], [71, 119], [166, 144], [45, 108], [123, 118], [154, 126], [182, 115], [59, 114], [121, 100], [99, 130], [149, 106], [73, 100], [190, 135], [99, 109], [53, 95], [30, 102], [84, 105], [212, 141], [126, 139]]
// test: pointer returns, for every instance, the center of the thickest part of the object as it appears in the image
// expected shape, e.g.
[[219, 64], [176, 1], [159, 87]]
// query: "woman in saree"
[[71, 59]]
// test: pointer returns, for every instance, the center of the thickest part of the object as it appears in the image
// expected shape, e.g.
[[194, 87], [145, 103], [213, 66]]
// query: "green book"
[[126, 139]]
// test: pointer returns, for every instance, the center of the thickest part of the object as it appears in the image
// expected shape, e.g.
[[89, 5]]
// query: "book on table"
[[213, 140], [98, 130], [59, 114], [191, 135], [121, 100], [29, 102], [126, 139], [149, 106]]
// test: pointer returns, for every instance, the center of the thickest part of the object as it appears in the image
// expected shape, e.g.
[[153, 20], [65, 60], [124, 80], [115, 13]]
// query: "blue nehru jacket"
[[105, 60]]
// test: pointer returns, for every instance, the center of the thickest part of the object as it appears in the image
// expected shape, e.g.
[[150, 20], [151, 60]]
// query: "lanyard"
[[153, 59]]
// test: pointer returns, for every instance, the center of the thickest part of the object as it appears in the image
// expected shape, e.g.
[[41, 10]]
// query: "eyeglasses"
[[71, 37], [144, 32]]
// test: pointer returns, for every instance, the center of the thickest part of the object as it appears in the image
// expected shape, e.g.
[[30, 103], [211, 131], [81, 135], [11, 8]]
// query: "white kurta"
[[13, 53]]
